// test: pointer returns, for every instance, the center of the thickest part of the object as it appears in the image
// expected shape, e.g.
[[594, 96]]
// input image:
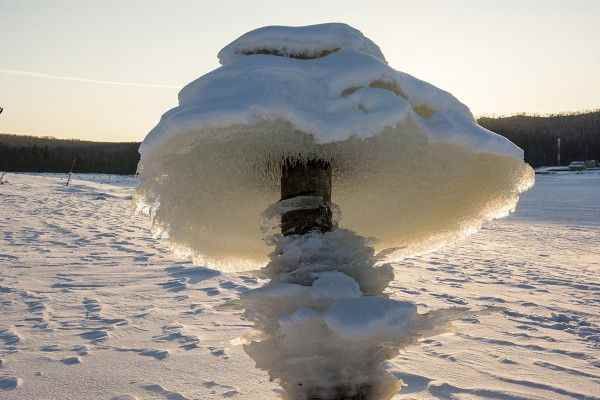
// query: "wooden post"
[[70, 172], [306, 178]]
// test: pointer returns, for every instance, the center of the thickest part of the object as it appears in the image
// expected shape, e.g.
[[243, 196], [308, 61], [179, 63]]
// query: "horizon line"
[[494, 116]]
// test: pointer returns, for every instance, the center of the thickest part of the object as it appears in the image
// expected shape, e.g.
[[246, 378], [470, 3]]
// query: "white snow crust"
[[412, 168], [349, 93], [302, 41], [82, 278]]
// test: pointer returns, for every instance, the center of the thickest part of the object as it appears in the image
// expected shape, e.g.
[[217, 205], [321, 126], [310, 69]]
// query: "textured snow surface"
[[411, 167], [92, 306]]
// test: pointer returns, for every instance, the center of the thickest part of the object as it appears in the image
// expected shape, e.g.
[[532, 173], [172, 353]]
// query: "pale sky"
[[107, 70]]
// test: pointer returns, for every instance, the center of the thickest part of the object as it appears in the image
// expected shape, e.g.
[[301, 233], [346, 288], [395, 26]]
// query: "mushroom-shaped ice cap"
[[411, 166]]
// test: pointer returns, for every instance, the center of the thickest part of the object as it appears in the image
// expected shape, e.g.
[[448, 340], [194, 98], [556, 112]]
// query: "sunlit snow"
[[93, 307]]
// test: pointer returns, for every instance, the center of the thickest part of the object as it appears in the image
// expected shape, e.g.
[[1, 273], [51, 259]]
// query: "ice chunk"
[[370, 317], [334, 285]]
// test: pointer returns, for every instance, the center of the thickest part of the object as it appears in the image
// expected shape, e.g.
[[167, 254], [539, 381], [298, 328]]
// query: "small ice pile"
[[325, 326], [411, 166]]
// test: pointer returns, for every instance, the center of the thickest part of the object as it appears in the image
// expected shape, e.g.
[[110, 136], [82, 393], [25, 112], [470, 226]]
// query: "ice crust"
[[412, 168]]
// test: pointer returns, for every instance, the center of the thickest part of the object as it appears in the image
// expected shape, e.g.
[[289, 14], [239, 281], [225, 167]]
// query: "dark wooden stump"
[[306, 178]]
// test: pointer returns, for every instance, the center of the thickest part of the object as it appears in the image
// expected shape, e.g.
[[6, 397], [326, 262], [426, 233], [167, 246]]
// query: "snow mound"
[[411, 166], [302, 42]]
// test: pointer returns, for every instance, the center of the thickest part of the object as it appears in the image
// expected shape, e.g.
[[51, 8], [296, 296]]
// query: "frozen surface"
[[565, 198], [93, 307], [411, 167]]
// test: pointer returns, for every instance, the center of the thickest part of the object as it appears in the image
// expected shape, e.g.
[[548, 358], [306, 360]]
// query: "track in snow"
[[92, 306]]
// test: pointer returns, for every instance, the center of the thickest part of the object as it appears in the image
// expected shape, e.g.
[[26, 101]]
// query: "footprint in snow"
[[155, 353], [175, 333], [227, 391], [10, 383], [412, 383], [71, 360], [158, 354], [50, 348], [95, 336], [92, 307], [217, 352], [166, 394], [81, 350]]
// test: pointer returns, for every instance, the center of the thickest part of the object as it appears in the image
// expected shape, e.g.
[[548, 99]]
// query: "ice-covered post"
[[306, 178], [254, 144]]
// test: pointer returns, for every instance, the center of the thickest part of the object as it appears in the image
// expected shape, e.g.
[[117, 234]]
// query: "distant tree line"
[[36, 154], [537, 135]]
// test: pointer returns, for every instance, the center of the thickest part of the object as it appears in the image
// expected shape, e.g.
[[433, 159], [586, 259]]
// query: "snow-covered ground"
[[93, 307]]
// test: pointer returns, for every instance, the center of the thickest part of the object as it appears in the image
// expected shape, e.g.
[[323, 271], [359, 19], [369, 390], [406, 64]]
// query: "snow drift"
[[411, 167]]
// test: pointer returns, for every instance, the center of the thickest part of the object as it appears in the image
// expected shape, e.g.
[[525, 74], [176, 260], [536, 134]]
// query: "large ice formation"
[[411, 166]]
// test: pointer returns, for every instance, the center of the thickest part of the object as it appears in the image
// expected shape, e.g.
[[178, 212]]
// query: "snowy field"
[[93, 307]]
